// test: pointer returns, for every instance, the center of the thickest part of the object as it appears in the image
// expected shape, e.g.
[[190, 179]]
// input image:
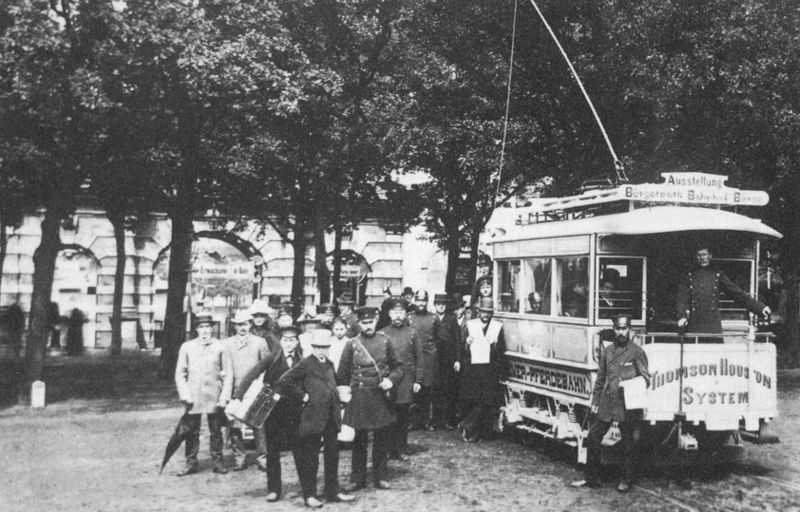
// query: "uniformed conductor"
[[698, 296], [620, 361]]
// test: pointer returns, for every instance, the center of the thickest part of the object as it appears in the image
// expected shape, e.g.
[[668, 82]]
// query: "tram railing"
[[699, 338]]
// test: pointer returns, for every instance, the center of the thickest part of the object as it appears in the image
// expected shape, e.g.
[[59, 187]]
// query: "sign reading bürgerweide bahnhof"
[[693, 188]]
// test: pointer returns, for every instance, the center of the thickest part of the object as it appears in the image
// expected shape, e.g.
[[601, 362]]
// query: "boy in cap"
[[204, 378], [245, 350], [620, 361], [313, 382]]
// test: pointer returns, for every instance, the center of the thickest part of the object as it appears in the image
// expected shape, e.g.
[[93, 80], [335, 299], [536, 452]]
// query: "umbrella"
[[181, 433]]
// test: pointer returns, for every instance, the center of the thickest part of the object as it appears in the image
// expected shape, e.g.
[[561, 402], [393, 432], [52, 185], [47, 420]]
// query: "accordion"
[[255, 406]]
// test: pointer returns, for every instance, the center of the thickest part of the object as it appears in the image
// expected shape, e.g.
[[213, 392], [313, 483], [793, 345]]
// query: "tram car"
[[564, 267]]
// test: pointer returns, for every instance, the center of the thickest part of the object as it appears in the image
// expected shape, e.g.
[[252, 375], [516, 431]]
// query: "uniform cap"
[[622, 321], [367, 313], [398, 303]]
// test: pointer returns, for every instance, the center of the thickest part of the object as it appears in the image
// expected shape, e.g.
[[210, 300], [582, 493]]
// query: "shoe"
[[584, 483], [220, 470], [382, 485], [189, 470], [430, 428], [341, 498], [624, 486], [312, 502], [240, 467], [273, 496], [352, 487], [400, 456]]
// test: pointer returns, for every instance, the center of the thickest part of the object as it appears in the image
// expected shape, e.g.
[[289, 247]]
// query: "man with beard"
[[282, 424], [408, 349], [481, 362], [245, 350], [620, 361], [448, 337], [370, 367], [424, 325]]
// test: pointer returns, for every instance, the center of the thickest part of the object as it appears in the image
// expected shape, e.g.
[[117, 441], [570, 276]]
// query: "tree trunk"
[[337, 263], [3, 247], [44, 266], [453, 253], [793, 321], [118, 222], [299, 273], [180, 260], [474, 244], [320, 263]]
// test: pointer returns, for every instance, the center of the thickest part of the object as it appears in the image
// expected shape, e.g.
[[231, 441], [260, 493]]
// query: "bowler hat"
[[241, 317], [203, 319], [622, 321], [441, 298], [485, 304], [259, 307], [321, 338], [346, 299], [366, 313], [274, 301], [408, 291]]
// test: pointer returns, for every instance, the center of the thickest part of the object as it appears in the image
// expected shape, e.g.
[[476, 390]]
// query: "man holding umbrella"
[[204, 378]]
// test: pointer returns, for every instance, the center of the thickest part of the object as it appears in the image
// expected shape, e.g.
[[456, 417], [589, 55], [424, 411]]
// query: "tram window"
[[538, 281], [573, 279], [509, 286], [739, 272], [620, 287]]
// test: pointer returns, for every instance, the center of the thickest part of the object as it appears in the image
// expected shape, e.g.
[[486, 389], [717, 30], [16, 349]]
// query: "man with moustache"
[[370, 366], [424, 324], [313, 382], [282, 423], [245, 350], [204, 378], [408, 349], [620, 361], [448, 337]]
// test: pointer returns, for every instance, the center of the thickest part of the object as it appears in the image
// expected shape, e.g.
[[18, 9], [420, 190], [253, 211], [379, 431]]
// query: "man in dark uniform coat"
[[370, 367], [408, 349], [620, 361], [481, 363], [346, 304], [424, 324], [698, 296], [282, 423], [313, 382], [448, 337]]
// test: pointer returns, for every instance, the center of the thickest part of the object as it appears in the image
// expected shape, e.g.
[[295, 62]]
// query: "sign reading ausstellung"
[[693, 188]]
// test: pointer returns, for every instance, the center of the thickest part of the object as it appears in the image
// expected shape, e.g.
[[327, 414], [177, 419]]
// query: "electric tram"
[[564, 267]]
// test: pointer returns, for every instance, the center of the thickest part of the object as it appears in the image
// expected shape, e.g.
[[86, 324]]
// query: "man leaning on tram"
[[620, 361]]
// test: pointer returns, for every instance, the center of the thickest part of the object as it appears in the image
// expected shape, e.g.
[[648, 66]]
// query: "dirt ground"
[[97, 446]]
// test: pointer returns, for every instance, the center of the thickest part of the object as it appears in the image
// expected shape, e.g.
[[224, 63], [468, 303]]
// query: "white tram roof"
[[640, 221]]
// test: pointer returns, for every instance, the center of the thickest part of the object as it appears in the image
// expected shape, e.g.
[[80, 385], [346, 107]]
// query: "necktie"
[[289, 361]]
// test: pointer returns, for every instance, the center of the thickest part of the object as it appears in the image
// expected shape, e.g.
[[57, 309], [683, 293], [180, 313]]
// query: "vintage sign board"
[[550, 379]]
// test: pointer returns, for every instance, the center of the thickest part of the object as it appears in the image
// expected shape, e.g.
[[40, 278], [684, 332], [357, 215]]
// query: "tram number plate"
[[552, 378]]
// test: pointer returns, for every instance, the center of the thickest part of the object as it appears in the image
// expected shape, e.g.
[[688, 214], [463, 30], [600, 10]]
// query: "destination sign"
[[548, 377], [692, 188]]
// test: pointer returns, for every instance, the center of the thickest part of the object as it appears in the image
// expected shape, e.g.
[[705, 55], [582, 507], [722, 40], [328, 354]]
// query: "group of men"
[[406, 374]]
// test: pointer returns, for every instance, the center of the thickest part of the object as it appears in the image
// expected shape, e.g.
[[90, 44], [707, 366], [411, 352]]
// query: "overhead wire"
[[508, 103]]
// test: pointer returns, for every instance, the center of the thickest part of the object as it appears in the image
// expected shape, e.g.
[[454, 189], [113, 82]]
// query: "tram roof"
[[639, 221]]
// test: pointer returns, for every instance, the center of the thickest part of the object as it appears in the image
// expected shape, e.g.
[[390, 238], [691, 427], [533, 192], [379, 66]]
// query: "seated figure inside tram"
[[610, 301], [576, 300]]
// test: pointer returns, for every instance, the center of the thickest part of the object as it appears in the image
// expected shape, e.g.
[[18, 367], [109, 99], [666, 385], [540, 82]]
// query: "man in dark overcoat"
[[620, 361], [481, 363], [408, 349], [313, 382], [697, 305], [369, 365], [424, 324], [281, 426], [448, 337], [346, 312]]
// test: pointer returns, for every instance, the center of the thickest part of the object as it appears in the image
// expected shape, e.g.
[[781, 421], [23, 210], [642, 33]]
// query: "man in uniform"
[[424, 325], [204, 378], [448, 337], [371, 368], [698, 296], [347, 314], [245, 350], [481, 362], [409, 352], [313, 382], [620, 361], [282, 423]]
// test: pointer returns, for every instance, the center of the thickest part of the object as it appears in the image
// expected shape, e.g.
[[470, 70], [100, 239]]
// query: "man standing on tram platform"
[[621, 361], [698, 296]]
